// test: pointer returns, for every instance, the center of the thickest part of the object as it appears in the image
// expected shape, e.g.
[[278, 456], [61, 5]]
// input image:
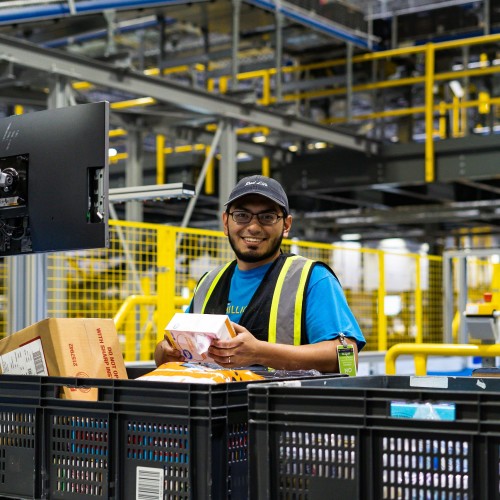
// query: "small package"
[[196, 373], [192, 334]]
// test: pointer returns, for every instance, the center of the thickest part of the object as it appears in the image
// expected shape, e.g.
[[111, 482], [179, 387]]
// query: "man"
[[289, 313]]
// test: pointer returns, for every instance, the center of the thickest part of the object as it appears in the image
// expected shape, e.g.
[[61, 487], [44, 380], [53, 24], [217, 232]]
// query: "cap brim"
[[279, 203]]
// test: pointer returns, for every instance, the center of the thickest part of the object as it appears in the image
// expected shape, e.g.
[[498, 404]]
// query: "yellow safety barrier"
[[130, 303], [420, 352], [146, 335], [149, 272]]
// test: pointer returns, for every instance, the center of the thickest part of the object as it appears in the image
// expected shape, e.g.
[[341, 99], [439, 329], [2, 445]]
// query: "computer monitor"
[[54, 180]]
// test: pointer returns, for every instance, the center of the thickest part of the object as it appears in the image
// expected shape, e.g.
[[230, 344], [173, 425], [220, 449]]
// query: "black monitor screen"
[[54, 180]]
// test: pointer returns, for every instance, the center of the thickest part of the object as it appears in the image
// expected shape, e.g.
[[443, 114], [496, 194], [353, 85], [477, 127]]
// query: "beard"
[[250, 256]]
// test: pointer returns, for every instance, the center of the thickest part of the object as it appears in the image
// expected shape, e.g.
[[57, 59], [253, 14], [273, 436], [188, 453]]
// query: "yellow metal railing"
[[420, 353], [150, 270], [263, 79]]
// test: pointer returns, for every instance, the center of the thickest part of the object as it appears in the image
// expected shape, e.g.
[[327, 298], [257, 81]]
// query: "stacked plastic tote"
[[375, 438]]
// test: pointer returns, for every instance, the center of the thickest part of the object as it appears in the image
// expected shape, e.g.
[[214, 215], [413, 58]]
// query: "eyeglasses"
[[264, 218]]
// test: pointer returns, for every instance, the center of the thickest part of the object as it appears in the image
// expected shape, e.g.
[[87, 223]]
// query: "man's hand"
[[242, 350], [164, 353], [246, 350]]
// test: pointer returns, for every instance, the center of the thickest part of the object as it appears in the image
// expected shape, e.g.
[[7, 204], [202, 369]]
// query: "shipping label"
[[28, 359]]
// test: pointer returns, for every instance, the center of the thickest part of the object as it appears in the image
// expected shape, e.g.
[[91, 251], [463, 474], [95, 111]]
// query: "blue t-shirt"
[[327, 311]]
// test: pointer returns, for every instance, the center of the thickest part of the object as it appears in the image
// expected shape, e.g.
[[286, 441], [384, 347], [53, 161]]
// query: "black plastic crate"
[[337, 439], [77, 454], [179, 441], [50, 447], [140, 440], [20, 424]]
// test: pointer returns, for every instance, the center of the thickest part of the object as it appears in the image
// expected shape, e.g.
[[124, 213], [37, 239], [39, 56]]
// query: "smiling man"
[[289, 312]]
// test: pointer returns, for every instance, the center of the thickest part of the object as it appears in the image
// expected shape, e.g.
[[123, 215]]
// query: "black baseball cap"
[[258, 184]]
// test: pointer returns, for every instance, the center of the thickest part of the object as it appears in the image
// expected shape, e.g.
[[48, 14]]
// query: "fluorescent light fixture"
[[320, 145], [480, 129], [241, 156], [392, 305], [457, 89], [293, 148], [259, 138], [393, 243], [350, 237], [478, 64]]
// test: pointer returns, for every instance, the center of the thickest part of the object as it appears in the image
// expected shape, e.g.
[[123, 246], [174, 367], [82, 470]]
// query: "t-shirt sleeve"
[[327, 311]]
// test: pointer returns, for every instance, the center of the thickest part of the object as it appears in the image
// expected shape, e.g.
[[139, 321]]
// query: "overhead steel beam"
[[63, 9], [82, 68], [484, 211], [318, 23]]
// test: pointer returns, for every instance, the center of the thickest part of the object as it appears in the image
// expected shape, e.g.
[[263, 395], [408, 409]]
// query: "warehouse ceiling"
[[360, 183]]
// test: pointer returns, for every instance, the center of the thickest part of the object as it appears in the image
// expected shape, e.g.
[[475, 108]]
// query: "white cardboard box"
[[192, 334]]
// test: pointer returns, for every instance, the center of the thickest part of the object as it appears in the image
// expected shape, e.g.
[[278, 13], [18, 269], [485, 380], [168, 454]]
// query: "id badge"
[[347, 360]]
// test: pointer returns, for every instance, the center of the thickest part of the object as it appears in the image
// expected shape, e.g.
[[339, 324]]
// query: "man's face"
[[253, 243]]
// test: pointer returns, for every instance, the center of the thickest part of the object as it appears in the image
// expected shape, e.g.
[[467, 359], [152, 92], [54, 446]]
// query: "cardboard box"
[[65, 347], [192, 334]]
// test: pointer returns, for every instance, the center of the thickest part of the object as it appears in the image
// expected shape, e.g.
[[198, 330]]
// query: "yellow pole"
[[160, 159], [456, 130], [429, 113], [418, 302], [166, 277], [266, 166], [266, 89], [382, 319], [484, 103], [223, 84], [420, 361], [18, 109], [145, 315], [442, 120], [210, 177]]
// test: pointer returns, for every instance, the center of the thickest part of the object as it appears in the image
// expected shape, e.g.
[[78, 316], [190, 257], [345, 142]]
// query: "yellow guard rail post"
[[420, 352]]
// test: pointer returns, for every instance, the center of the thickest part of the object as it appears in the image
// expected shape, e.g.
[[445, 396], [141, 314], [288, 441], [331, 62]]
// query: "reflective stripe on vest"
[[285, 322], [205, 288]]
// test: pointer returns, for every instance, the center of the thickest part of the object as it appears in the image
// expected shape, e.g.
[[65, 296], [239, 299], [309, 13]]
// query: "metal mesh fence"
[[150, 271]]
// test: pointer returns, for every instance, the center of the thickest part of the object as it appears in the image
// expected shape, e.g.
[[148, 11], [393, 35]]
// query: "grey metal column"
[[227, 172], [462, 299], [203, 174], [448, 302], [110, 16], [486, 16], [350, 50], [16, 277], [236, 44], [279, 52], [466, 86], [394, 32], [60, 93], [133, 173]]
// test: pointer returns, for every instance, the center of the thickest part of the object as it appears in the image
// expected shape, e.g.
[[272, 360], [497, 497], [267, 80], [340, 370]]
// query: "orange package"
[[178, 371]]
